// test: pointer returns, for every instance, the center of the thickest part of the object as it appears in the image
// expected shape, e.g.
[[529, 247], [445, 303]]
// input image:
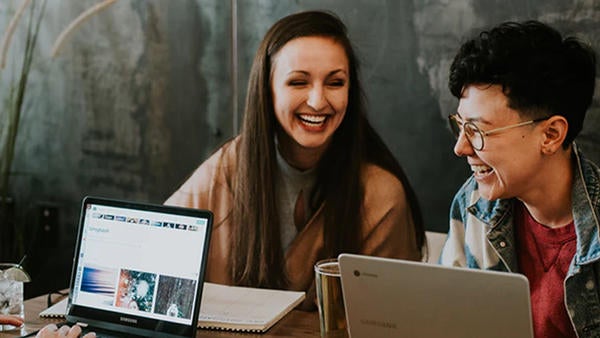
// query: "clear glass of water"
[[11, 292]]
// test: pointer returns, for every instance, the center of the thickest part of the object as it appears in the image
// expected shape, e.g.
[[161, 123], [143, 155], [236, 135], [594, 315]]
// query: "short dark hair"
[[541, 73]]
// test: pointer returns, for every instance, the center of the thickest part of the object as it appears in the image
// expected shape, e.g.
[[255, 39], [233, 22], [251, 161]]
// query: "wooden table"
[[296, 324]]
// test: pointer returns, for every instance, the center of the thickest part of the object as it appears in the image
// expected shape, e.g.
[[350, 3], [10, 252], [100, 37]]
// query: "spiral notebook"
[[235, 308], [57, 310], [229, 308]]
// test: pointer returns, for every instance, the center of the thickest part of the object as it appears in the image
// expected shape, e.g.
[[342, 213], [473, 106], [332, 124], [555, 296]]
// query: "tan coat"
[[388, 230]]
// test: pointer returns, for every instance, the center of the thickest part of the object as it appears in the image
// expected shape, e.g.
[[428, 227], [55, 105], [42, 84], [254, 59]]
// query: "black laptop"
[[138, 269]]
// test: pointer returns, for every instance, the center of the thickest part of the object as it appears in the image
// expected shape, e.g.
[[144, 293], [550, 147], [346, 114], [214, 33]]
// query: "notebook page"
[[243, 308], [58, 310]]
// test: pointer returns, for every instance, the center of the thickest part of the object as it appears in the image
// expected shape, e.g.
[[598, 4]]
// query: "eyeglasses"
[[476, 136]]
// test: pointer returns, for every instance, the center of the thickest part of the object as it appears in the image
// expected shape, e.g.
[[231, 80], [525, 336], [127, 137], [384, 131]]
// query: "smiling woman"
[[310, 96], [308, 177]]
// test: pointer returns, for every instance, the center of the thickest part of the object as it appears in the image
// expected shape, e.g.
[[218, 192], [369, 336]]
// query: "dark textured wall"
[[137, 97], [143, 92]]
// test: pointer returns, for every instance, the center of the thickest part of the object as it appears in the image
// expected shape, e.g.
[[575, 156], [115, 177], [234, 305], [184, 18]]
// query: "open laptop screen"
[[143, 263]]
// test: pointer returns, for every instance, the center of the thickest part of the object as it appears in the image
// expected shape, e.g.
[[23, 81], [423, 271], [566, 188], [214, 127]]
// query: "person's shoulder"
[[380, 183], [590, 174], [466, 195], [225, 155], [212, 175], [468, 188], [376, 174], [590, 170], [221, 161]]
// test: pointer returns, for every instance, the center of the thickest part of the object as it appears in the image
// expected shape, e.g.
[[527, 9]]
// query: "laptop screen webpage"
[[139, 262]]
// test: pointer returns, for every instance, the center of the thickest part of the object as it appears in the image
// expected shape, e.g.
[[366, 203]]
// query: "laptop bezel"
[[136, 324]]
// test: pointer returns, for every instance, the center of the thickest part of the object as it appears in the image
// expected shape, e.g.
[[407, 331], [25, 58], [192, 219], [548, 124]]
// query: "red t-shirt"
[[544, 257]]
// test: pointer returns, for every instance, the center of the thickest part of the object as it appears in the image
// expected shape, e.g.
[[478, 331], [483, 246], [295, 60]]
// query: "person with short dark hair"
[[308, 177], [532, 205]]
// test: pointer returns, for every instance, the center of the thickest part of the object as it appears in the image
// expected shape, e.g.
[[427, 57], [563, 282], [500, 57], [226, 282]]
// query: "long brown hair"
[[258, 258]]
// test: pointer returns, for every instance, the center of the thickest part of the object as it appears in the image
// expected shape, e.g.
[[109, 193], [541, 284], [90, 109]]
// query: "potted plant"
[[11, 107], [11, 238]]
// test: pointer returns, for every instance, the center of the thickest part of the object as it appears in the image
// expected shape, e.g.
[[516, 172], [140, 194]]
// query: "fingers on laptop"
[[11, 320], [52, 331]]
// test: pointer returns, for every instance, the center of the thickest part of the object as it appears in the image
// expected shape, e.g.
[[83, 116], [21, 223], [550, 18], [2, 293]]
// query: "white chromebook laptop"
[[138, 269], [397, 298]]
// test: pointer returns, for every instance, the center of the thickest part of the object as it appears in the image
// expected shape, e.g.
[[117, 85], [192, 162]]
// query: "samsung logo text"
[[128, 320]]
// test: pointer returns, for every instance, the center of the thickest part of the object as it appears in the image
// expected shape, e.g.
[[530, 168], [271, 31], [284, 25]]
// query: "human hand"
[[15, 321], [51, 331]]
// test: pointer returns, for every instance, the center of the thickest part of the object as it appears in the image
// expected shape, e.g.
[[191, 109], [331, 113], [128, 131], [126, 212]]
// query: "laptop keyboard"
[[106, 334], [100, 334]]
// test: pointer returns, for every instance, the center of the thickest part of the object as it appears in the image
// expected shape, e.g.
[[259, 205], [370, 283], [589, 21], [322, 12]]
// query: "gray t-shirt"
[[290, 182]]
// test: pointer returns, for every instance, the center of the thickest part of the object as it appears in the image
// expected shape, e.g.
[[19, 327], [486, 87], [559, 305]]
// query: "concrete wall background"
[[143, 92]]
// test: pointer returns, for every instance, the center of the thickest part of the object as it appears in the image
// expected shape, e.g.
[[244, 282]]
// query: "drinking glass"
[[332, 316], [11, 292]]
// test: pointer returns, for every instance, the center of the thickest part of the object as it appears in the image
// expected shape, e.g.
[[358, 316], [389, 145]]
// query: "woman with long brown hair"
[[308, 177]]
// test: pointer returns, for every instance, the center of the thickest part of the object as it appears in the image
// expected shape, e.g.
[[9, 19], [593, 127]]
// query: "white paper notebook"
[[244, 309], [229, 307], [57, 310]]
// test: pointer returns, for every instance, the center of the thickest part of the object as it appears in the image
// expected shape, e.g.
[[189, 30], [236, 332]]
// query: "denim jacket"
[[482, 236]]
